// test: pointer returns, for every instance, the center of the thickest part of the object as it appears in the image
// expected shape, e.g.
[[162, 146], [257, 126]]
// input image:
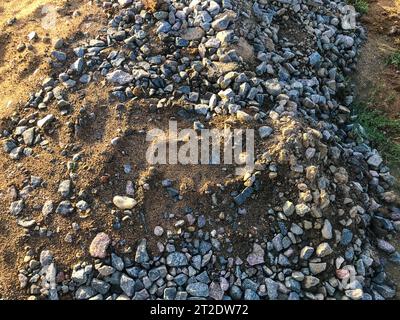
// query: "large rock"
[[141, 252], [120, 77], [256, 256], [124, 203], [99, 245], [197, 289], [177, 259]]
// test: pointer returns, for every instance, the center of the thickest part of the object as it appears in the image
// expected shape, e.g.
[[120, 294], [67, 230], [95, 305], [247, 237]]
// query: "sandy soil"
[[376, 80], [20, 72]]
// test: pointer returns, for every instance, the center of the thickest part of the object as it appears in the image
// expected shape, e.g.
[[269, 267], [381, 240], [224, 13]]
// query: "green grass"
[[380, 131], [360, 5], [394, 59]]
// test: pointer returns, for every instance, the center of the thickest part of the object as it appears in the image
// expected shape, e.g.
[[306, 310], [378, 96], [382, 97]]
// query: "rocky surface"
[[325, 210]]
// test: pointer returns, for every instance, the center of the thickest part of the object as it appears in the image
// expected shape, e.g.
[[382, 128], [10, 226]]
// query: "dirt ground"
[[376, 80], [22, 72]]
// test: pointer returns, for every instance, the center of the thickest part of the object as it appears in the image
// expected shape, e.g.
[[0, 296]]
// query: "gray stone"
[[288, 208], [317, 268], [251, 295], [302, 209], [354, 294], [120, 77], [346, 238], [100, 286], [124, 203], [385, 246], [164, 27], [327, 230], [127, 285], [29, 136], [375, 161], [256, 256], [235, 292], [272, 289], [16, 207], [78, 65], [385, 291], [141, 252], [310, 281], [197, 289], [215, 291], [177, 259], [124, 3], [243, 196], [47, 208], [79, 276], [296, 229], [42, 123], [65, 208], [306, 252], [221, 23], [314, 59], [169, 293], [157, 273], [82, 205], [59, 56], [65, 188], [117, 262], [141, 295], [158, 231], [323, 250], [265, 131], [9, 145]]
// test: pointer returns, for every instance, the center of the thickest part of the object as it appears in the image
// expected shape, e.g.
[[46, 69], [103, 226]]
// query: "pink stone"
[[215, 291], [342, 274], [99, 245]]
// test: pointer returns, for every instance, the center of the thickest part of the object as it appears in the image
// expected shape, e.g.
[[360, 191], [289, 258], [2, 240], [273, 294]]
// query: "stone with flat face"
[[177, 259], [99, 245], [257, 255], [124, 203], [120, 77]]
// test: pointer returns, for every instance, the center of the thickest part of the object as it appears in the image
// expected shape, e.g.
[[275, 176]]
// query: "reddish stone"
[[99, 245], [342, 274]]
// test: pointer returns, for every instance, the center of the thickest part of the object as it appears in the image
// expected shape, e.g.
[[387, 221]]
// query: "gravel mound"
[[311, 221]]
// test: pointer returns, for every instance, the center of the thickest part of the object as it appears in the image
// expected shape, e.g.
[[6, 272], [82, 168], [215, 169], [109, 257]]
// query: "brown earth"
[[376, 81], [21, 72]]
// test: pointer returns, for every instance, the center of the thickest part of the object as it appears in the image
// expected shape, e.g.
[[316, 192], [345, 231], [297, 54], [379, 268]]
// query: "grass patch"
[[380, 131], [394, 59], [360, 5]]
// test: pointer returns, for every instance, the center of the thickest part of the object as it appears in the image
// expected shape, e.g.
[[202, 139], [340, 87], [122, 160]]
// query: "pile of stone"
[[334, 210]]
